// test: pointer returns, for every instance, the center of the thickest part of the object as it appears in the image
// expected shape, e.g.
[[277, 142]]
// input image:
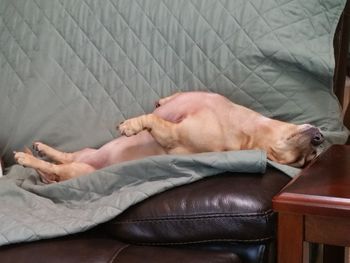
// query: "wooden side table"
[[315, 206]]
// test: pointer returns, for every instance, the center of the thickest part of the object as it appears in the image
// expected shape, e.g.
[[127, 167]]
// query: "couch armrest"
[[231, 207]]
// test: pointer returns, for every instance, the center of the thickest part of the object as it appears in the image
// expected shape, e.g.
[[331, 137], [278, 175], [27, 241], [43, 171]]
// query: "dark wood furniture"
[[342, 61], [315, 206]]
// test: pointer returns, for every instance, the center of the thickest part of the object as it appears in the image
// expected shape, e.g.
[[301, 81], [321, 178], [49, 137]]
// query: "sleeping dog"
[[184, 123]]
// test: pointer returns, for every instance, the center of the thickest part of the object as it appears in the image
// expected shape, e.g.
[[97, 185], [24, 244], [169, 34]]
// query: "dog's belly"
[[204, 122], [202, 131], [189, 103]]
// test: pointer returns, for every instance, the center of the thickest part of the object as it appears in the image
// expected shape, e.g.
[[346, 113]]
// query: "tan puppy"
[[183, 123]]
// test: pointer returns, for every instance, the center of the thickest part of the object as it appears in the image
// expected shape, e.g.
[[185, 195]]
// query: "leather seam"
[[117, 253], [154, 220], [205, 241]]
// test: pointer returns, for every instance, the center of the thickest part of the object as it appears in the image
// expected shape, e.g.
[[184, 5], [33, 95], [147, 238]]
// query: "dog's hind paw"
[[24, 158], [40, 148]]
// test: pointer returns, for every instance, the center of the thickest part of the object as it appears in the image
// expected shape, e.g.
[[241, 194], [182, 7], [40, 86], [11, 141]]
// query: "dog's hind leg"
[[164, 100], [58, 156], [53, 172], [53, 154]]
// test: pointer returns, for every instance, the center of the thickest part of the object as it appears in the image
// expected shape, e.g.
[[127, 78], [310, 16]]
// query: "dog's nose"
[[317, 137]]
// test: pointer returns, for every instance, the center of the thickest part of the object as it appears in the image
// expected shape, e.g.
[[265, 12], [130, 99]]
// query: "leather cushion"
[[226, 207], [82, 248]]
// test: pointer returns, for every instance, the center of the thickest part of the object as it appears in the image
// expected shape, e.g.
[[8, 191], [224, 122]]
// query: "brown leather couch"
[[212, 220], [225, 218]]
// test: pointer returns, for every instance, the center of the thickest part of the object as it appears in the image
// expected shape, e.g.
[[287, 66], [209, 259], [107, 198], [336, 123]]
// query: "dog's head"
[[296, 145]]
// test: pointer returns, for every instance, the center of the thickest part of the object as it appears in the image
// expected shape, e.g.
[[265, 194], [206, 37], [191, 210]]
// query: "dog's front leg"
[[164, 132], [134, 126]]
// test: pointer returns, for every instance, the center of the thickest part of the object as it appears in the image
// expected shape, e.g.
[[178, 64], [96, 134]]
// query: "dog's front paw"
[[157, 104], [130, 127]]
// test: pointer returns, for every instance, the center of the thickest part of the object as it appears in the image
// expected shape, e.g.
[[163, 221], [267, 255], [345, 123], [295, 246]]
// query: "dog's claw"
[[119, 125], [39, 152], [35, 146], [36, 149]]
